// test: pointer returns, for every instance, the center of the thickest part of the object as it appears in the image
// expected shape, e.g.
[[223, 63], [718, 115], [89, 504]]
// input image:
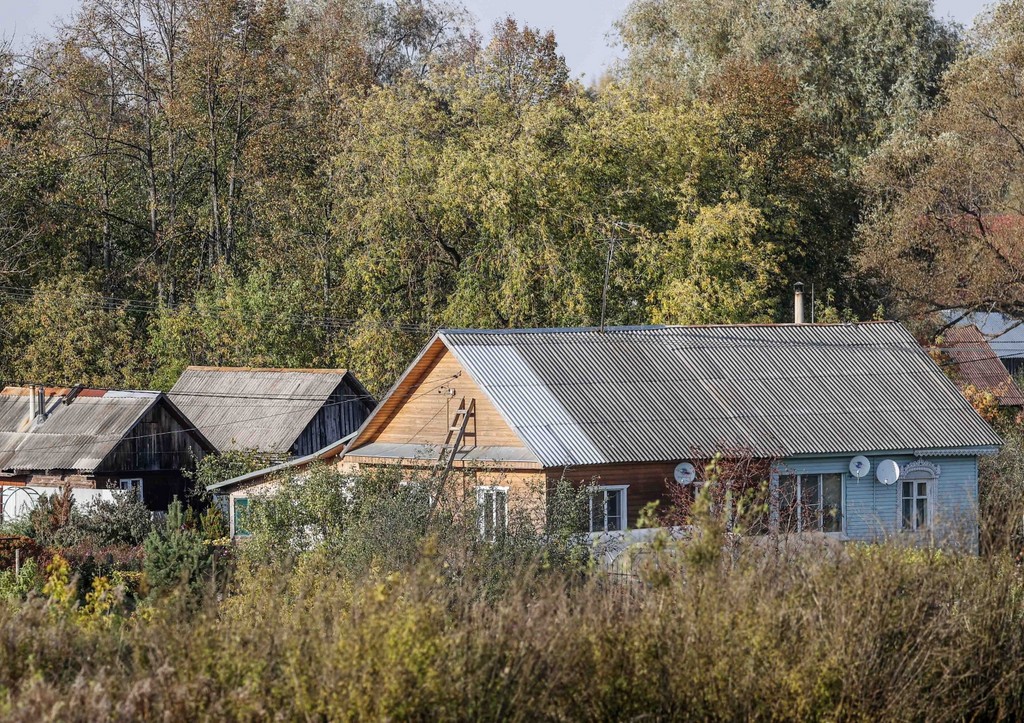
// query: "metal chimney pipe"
[[32, 400], [41, 403], [798, 303]]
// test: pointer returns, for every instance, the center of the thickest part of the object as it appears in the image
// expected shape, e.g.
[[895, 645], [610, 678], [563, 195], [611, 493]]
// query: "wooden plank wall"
[[648, 482], [342, 414], [157, 442], [428, 405]]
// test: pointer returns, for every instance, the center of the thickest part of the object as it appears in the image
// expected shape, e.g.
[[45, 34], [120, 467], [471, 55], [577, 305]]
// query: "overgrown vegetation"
[[370, 626]]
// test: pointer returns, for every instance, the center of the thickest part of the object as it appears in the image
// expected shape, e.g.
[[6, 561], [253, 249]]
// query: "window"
[[239, 511], [132, 485], [915, 505], [608, 509], [811, 502], [492, 506]]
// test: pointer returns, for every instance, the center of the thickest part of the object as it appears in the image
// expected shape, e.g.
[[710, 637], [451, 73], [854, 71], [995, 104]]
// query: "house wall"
[[428, 406], [873, 509], [156, 442], [341, 414]]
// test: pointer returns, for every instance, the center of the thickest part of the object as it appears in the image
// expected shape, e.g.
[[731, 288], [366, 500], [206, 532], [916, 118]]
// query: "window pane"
[[787, 503], [241, 508], [832, 502], [500, 504], [614, 501], [922, 513], [487, 528], [908, 514], [597, 511], [908, 489], [810, 504], [922, 489]]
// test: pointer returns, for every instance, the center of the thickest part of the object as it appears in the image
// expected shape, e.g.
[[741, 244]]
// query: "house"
[[284, 412], [862, 427], [976, 364], [97, 438], [1004, 334]]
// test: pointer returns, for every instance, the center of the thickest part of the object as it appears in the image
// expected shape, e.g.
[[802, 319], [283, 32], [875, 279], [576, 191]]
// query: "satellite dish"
[[685, 473], [859, 466], [887, 472]]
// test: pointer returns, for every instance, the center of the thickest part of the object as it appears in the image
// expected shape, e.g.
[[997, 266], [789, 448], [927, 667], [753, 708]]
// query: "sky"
[[582, 27]]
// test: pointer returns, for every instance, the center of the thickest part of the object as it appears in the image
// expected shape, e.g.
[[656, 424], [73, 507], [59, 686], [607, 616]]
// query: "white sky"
[[581, 26]]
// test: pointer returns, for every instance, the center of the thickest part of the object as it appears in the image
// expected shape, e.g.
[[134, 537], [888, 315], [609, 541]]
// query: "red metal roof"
[[976, 364]]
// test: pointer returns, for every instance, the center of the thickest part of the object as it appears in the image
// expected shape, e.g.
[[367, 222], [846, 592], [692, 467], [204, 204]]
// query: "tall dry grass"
[[868, 633]]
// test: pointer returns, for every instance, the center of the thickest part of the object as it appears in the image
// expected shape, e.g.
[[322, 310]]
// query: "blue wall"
[[872, 510]]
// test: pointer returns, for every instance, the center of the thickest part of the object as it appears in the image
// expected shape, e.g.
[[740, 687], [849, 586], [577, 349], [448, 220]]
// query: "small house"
[[975, 364], [99, 439], [279, 412]]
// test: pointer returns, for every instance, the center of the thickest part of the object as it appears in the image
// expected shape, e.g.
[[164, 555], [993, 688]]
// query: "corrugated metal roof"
[[248, 408], [76, 436], [978, 365], [645, 394]]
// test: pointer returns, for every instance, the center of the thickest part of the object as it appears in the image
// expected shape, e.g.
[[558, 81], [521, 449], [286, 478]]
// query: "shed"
[[286, 412], [98, 438]]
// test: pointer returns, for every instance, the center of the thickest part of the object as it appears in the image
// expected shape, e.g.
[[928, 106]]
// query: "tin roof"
[[977, 364], [252, 408], [73, 436], [661, 393]]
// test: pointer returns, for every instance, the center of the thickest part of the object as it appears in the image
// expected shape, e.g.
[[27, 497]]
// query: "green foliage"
[[57, 521], [177, 558], [15, 586], [214, 468]]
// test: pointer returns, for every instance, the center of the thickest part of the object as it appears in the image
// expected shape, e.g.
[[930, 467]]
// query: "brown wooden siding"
[[342, 414], [647, 482], [156, 442], [428, 405]]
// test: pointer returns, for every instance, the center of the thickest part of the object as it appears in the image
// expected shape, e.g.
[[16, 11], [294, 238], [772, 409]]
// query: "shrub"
[[176, 557]]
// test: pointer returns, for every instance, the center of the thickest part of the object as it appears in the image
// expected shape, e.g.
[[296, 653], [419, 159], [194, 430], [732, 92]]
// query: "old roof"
[[978, 365], [662, 393], [249, 478], [74, 436], [254, 408]]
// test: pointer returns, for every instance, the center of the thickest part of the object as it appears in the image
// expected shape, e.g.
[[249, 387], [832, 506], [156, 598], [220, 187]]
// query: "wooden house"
[[975, 364], [97, 438], [860, 424], [282, 412]]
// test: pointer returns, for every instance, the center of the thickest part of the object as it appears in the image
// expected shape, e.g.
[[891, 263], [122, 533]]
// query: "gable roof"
[[662, 393], [977, 364], [253, 408], [77, 435]]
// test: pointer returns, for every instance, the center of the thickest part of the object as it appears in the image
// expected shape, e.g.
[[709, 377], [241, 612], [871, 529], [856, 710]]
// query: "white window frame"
[[777, 513], [624, 510], [481, 493], [929, 486], [132, 484]]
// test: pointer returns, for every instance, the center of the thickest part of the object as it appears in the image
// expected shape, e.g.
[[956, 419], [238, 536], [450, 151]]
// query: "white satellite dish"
[[859, 466], [685, 473], [887, 472]]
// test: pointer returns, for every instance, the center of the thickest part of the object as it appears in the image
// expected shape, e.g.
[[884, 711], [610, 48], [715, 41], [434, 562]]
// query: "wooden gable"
[[421, 408]]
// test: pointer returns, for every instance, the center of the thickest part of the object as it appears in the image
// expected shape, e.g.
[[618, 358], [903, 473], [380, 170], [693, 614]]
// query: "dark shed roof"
[[978, 365], [254, 408], [658, 393]]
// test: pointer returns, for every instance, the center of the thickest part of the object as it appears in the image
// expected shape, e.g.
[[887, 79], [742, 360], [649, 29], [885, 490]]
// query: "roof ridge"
[[297, 370], [659, 327]]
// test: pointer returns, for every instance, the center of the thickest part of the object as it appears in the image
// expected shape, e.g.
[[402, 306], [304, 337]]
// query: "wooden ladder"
[[457, 433]]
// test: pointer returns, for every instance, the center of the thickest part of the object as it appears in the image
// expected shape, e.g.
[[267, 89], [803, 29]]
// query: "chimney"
[[32, 400], [41, 403], [798, 303]]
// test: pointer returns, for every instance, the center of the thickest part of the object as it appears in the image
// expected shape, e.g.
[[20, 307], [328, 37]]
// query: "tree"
[[945, 226], [177, 557]]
